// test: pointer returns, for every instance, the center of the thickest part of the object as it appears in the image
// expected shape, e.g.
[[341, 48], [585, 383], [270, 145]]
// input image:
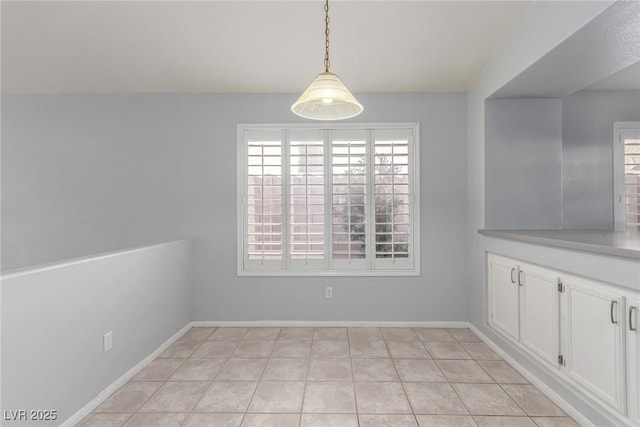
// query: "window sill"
[[326, 273]]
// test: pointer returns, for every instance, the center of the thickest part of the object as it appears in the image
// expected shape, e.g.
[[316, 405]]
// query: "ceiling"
[[627, 79], [597, 52], [248, 46]]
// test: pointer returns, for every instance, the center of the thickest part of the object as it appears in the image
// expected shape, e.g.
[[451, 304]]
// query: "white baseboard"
[[86, 410], [104, 394], [563, 404], [322, 323]]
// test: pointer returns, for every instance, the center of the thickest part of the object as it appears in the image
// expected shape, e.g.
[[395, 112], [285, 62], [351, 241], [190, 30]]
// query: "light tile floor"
[[326, 377]]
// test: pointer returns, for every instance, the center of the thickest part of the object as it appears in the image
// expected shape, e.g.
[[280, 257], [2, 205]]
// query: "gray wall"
[[87, 173], [53, 320], [523, 155], [587, 165], [544, 27]]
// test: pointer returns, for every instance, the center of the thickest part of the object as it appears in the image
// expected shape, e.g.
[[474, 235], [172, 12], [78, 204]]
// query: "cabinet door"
[[504, 296], [539, 313], [593, 338], [633, 357]]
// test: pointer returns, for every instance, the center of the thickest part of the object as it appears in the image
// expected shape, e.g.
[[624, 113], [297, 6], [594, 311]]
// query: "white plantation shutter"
[[306, 199], [627, 176], [632, 183], [263, 207], [328, 201], [393, 198], [349, 198]]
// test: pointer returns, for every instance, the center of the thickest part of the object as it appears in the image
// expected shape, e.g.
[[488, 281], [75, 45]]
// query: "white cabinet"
[[540, 315], [524, 305], [593, 337], [585, 331], [504, 296], [632, 317]]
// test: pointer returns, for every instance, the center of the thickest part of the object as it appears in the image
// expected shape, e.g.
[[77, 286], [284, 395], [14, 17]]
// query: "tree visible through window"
[[349, 181], [391, 209], [317, 200], [392, 198]]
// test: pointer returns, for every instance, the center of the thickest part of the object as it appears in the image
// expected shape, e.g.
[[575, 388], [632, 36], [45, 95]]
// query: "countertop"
[[612, 243]]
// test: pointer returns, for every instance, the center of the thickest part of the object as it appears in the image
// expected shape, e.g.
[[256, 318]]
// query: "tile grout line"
[[306, 377], [196, 404], [188, 417], [137, 410], [246, 411], [435, 362], [353, 378], [473, 417], [526, 415], [93, 413], [309, 359], [517, 404], [217, 373], [449, 383], [393, 363]]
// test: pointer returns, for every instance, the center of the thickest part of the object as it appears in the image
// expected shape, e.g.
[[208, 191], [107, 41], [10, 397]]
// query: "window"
[[341, 200], [627, 176]]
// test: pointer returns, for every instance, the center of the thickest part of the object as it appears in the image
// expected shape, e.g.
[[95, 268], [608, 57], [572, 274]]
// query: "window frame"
[[619, 201], [328, 129]]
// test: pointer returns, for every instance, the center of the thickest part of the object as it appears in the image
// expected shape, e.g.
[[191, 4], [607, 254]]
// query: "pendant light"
[[327, 98]]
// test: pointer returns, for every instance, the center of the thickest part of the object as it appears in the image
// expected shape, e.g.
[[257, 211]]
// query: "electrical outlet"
[[328, 292], [107, 341]]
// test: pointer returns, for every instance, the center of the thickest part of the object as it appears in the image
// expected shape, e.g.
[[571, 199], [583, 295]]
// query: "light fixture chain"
[[327, 63], [326, 98]]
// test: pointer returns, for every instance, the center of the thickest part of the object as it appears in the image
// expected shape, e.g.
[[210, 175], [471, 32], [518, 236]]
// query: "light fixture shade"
[[327, 98]]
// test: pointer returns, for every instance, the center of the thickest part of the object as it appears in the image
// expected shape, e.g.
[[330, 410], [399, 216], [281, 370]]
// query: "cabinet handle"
[[631, 310], [520, 278], [513, 271], [613, 302]]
